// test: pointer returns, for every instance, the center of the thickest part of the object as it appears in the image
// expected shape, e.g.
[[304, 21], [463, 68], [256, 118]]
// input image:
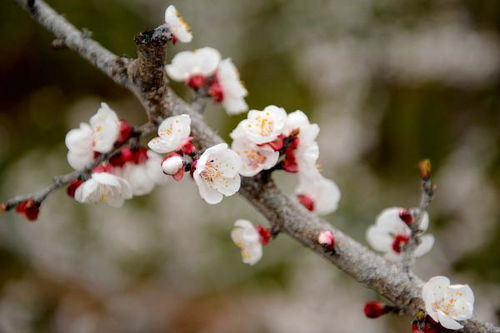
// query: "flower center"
[[211, 172]]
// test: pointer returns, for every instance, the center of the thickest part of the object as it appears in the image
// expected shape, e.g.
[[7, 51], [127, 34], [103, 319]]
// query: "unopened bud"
[[425, 169], [172, 164], [326, 239], [374, 309]]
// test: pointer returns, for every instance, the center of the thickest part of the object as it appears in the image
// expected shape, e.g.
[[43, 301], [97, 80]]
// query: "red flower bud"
[[405, 215], [374, 309], [29, 208], [265, 234], [73, 186]]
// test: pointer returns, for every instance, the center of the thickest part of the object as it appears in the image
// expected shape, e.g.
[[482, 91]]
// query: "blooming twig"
[[416, 216], [62, 180]]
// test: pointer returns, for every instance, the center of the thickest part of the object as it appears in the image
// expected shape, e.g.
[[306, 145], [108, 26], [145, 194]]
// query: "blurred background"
[[390, 83]]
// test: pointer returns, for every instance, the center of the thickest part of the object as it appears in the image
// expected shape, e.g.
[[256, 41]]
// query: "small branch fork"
[[146, 78]]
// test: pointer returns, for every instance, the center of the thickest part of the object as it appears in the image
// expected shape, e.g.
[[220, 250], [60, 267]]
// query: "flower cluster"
[[203, 70], [216, 171], [391, 233], [250, 239], [130, 171], [271, 138]]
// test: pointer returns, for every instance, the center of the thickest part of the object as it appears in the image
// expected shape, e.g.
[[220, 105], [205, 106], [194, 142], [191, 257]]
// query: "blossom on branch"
[[228, 88], [264, 126], [194, 67], [177, 26], [255, 158], [217, 173], [104, 187], [317, 193], [250, 240], [99, 137], [303, 154], [172, 134], [448, 304], [390, 234]]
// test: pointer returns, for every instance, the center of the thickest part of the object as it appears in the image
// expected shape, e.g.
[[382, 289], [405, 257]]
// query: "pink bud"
[[374, 309], [326, 239], [196, 81], [172, 164], [306, 201]]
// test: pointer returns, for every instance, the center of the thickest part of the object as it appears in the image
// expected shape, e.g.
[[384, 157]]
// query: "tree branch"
[[145, 77]]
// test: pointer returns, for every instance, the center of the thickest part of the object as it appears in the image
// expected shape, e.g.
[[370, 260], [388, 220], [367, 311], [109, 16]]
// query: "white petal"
[[425, 246], [379, 239], [208, 59], [179, 28], [207, 193], [106, 128], [228, 186], [448, 322]]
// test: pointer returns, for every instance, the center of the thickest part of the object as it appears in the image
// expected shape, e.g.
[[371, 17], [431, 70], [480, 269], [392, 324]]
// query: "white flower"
[[390, 233], [217, 173], [447, 303], [100, 137], [79, 143], [145, 176], [233, 91], [247, 238], [104, 187], [106, 127], [263, 126], [201, 62], [177, 26], [323, 192], [326, 238], [255, 158], [307, 152], [172, 133]]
